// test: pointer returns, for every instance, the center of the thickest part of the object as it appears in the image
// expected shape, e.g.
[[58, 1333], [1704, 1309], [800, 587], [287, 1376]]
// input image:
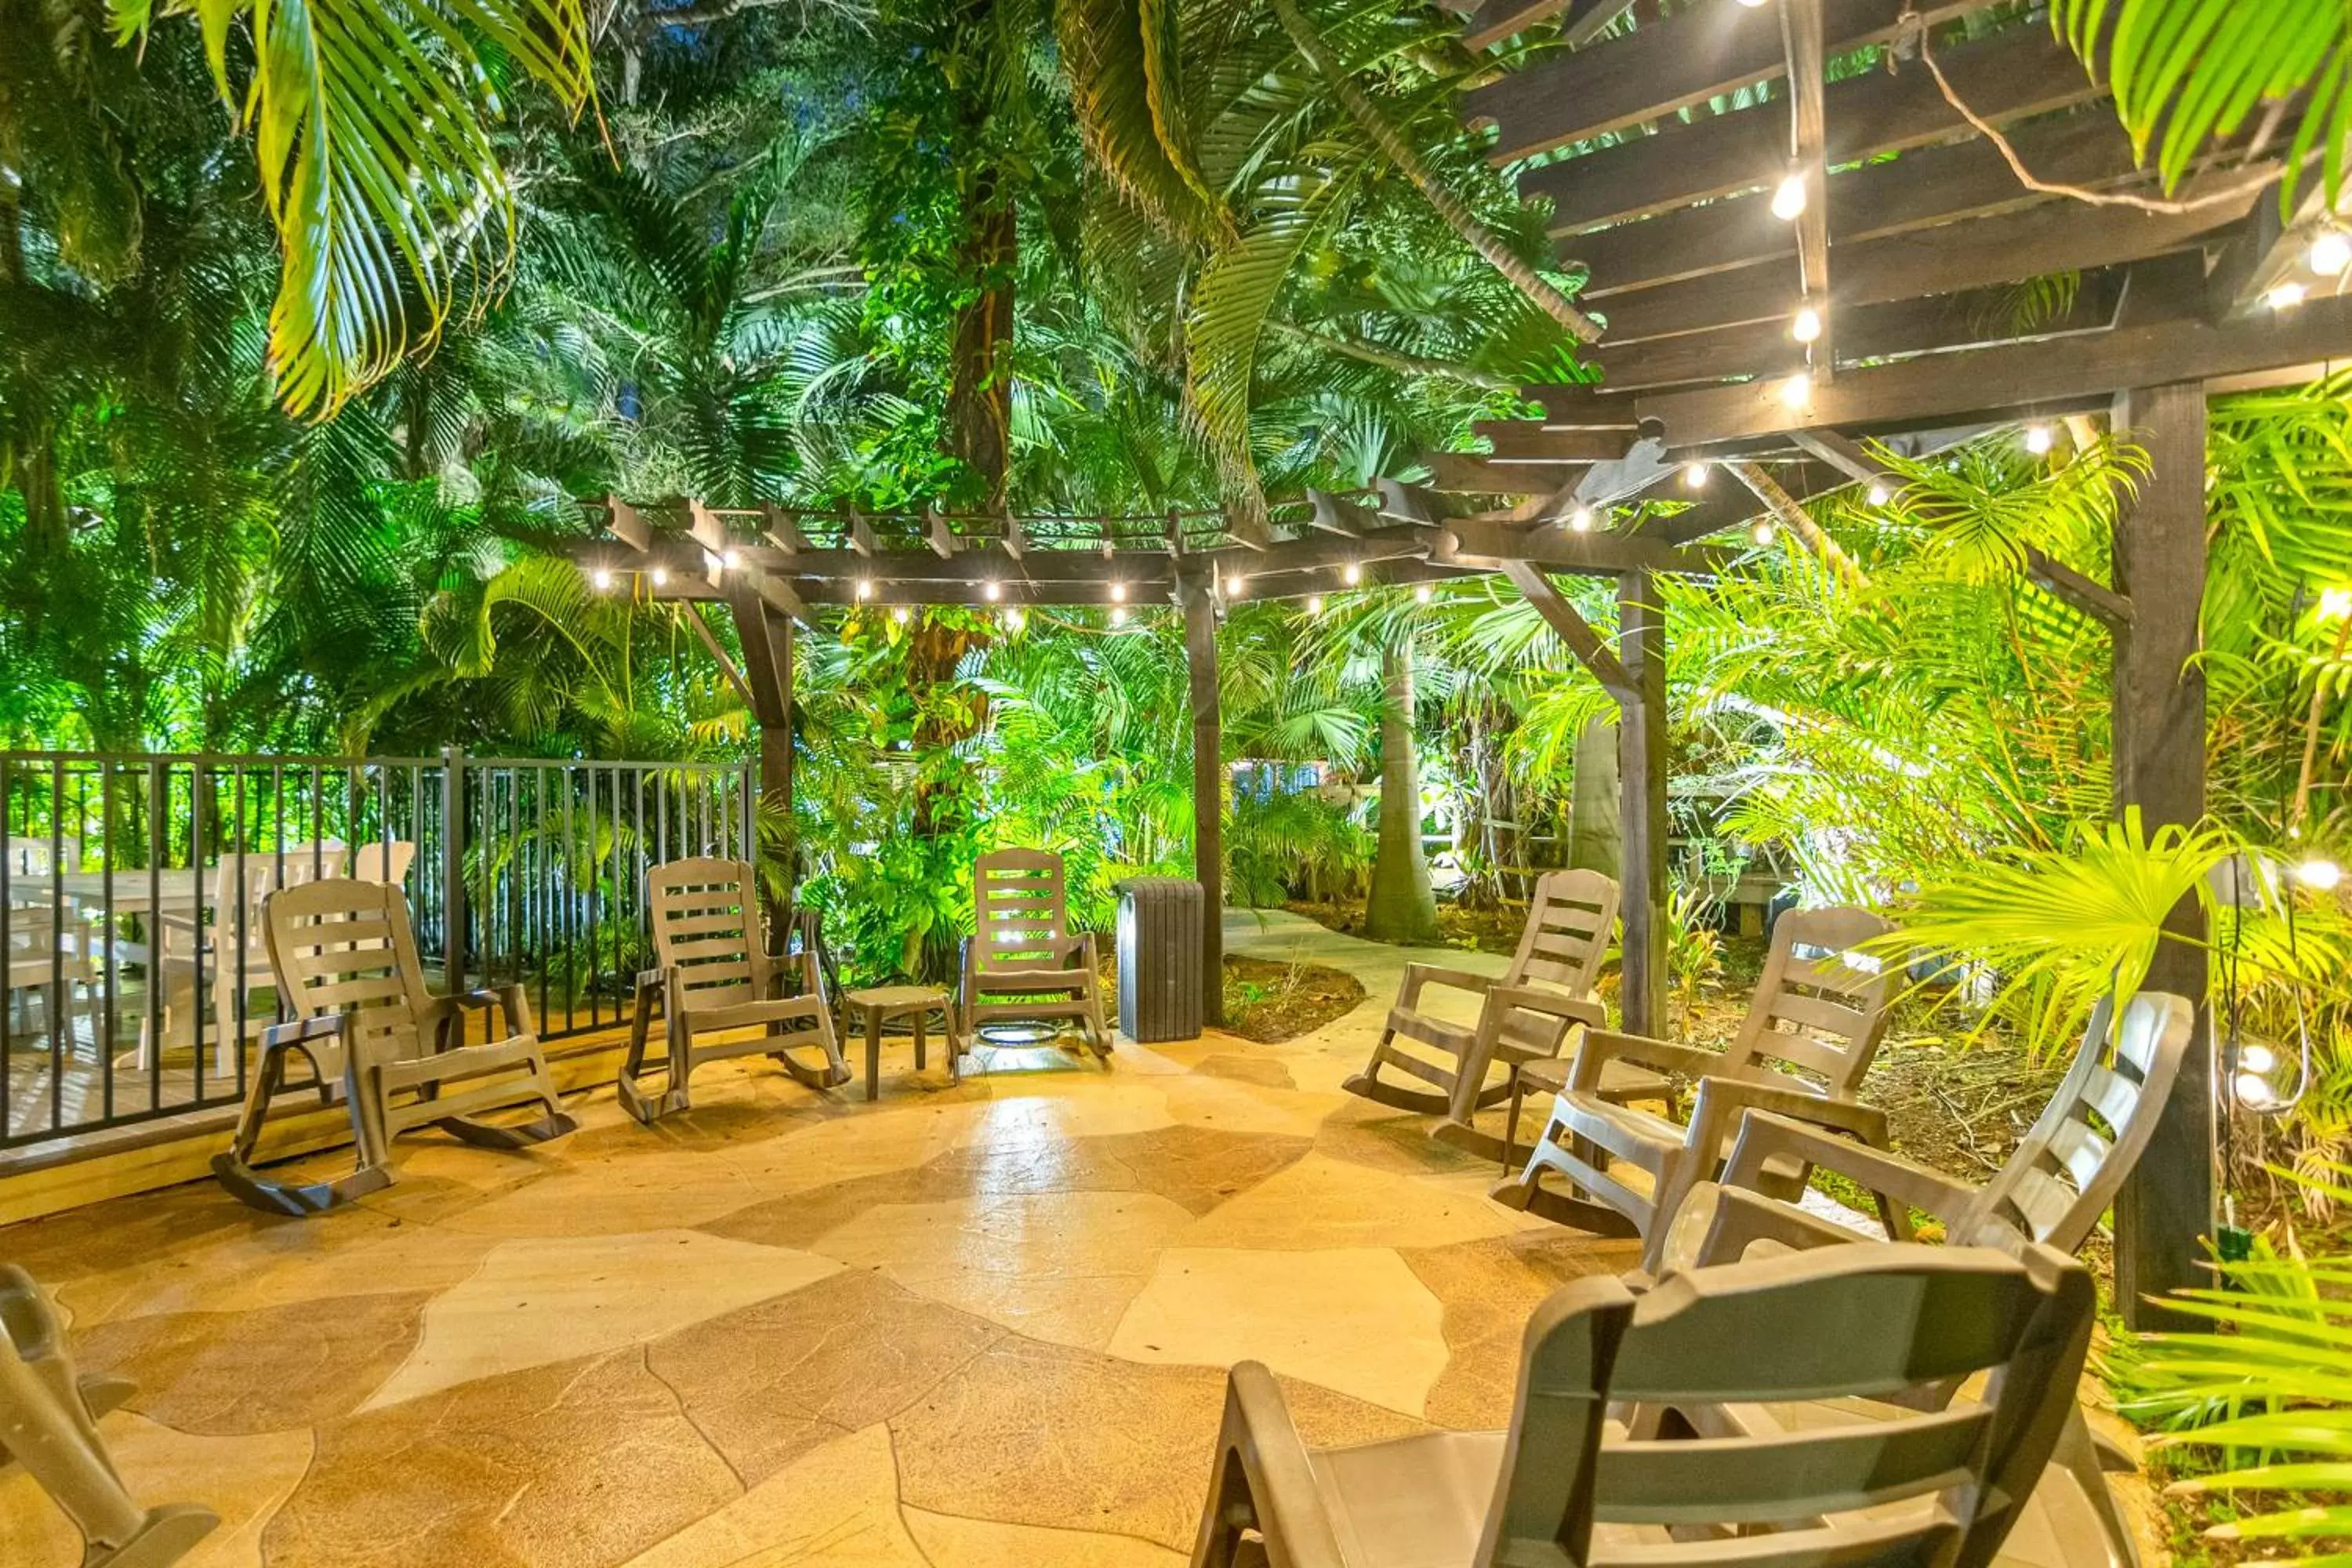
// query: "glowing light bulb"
[[2257, 1058], [1763, 531], [2287, 295], [1797, 390], [1351, 573], [1752, 5], [1314, 604], [1421, 593], [1118, 614], [992, 590], [2254, 1091], [1014, 619], [865, 587], [1877, 494], [1695, 476], [730, 559], [601, 579], [659, 576], [1233, 588], [1580, 520], [900, 614], [1119, 592], [2335, 603], [1807, 326], [1788, 198], [2330, 254], [2319, 874], [2038, 438]]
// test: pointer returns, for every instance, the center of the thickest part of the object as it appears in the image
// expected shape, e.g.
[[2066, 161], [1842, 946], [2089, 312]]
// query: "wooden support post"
[[1642, 818], [1208, 788], [2167, 1204]]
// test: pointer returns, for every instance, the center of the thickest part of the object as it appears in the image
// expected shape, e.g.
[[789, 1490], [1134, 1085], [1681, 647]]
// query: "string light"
[[1797, 390], [1014, 618], [730, 559], [2257, 1058], [1118, 614], [992, 590], [1763, 531], [865, 588], [2038, 438], [1695, 476], [2335, 603], [1421, 593], [1807, 326], [1234, 587], [2254, 1091], [659, 576], [601, 579], [1351, 573], [2329, 253], [2287, 295], [1877, 494], [1119, 592], [1788, 197], [1314, 604], [899, 615], [2319, 875], [1580, 520]]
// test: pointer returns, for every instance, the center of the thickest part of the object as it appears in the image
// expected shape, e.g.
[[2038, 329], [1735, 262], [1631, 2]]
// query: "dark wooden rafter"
[[1600, 553], [1641, 762], [1495, 20], [1573, 630], [2011, 75]]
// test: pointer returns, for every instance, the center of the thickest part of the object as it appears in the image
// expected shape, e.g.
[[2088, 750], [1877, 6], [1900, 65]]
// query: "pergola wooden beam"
[[1801, 21], [1989, 380], [1495, 20], [1672, 64], [1572, 629], [1519, 441], [2014, 73], [1481, 543], [1463, 473]]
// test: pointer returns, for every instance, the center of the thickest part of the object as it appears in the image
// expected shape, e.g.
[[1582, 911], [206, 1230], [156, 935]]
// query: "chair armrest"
[[1743, 1218], [1600, 1047], [964, 959], [1284, 1503], [1764, 1136], [1417, 975], [299, 1031], [1721, 1101], [510, 1000], [1082, 947], [1582, 1010]]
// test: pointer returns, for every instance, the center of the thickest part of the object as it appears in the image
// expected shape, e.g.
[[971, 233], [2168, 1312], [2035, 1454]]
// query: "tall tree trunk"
[[1402, 906], [1595, 841], [980, 392]]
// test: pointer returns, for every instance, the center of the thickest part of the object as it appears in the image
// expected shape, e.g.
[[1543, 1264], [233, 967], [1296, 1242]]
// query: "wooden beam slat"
[[1574, 630], [2017, 72], [1460, 473], [1977, 382], [1684, 60], [1531, 441], [1801, 21], [1474, 541], [710, 640], [2052, 236], [624, 522], [1495, 20], [1922, 188], [782, 529], [1335, 514]]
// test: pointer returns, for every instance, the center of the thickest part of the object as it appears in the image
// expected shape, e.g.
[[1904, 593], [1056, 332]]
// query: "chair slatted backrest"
[[706, 916], [382, 860], [1819, 1006], [339, 945], [1568, 931], [38, 855], [1018, 917], [2067, 1168], [1879, 1324], [250, 878]]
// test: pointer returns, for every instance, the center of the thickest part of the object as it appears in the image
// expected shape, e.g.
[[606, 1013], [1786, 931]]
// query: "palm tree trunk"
[[1594, 840], [1384, 135], [1402, 906]]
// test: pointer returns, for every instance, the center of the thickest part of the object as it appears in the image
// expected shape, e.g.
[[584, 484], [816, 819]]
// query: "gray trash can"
[[1159, 959]]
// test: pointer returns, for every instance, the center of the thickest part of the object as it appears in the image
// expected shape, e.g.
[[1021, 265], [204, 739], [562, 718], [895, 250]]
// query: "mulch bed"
[[1271, 1003]]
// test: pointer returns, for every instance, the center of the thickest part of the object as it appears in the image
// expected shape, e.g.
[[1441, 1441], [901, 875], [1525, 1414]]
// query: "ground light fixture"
[[1807, 326], [1788, 197], [1695, 476], [2038, 438], [2285, 296]]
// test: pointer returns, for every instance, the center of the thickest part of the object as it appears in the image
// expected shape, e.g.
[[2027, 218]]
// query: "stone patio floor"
[[985, 1324]]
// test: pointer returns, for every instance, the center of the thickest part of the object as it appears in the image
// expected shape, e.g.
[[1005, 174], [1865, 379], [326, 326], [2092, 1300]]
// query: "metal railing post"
[[453, 868]]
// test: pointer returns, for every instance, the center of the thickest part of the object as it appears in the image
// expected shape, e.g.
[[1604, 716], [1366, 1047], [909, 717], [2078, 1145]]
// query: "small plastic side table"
[[876, 1005]]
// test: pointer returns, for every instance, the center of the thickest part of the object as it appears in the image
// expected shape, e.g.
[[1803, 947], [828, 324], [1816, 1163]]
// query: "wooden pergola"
[[1777, 298]]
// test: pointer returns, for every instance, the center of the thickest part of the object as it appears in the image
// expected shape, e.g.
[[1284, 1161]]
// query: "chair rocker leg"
[[831, 1072], [1368, 1085], [556, 1122], [235, 1169], [645, 1108], [2078, 1454], [1526, 1194]]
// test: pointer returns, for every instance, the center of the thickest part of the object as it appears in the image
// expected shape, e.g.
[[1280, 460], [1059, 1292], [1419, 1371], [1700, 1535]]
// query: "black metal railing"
[[131, 892]]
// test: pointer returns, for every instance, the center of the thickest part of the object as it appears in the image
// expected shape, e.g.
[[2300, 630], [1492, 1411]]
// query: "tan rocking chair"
[[1021, 946], [1524, 1015], [48, 1424], [1869, 1482], [713, 974], [2064, 1175], [347, 969], [1835, 1007]]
